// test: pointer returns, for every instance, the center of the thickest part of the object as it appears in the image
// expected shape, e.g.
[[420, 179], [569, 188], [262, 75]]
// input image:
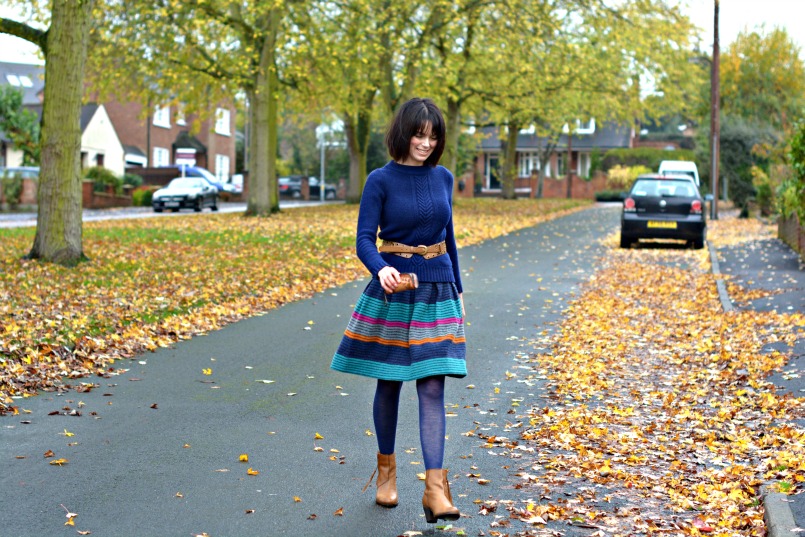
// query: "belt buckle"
[[422, 249]]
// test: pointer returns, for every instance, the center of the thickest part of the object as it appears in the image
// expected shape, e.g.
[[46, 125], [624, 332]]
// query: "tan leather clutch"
[[408, 281]]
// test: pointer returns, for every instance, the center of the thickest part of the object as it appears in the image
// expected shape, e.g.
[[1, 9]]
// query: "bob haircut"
[[413, 117]]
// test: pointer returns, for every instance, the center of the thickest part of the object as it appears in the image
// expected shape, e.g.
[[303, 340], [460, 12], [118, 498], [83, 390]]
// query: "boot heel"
[[429, 518]]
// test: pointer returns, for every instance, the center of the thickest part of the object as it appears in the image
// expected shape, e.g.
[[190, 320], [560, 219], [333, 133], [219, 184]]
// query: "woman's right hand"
[[389, 278]]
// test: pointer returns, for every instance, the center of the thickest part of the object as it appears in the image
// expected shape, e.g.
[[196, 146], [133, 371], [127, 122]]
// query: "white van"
[[684, 167]]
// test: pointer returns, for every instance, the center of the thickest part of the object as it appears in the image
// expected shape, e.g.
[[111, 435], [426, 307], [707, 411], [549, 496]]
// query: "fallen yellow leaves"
[[658, 397], [152, 282]]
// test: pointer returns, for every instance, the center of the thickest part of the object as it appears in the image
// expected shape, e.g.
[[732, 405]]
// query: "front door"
[[492, 169]]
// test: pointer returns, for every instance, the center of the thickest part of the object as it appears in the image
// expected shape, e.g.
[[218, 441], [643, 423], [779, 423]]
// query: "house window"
[[162, 156], [222, 121], [560, 164], [162, 116], [222, 168], [583, 165], [99, 160], [14, 80], [180, 119], [528, 162]]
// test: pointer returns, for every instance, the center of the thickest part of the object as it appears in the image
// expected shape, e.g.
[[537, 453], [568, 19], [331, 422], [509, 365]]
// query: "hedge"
[[643, 156]]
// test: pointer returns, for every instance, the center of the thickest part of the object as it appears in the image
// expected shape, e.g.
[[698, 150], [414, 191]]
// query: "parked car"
[[664, 207], [291, 186], [196, 171], [185, 193], [24, 172], [680, 167]]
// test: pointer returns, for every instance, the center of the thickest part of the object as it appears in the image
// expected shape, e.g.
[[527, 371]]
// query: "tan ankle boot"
[[437, 501], [386, 480]]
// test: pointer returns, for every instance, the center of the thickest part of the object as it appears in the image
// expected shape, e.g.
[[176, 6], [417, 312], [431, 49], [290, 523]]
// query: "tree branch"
[[23, 31]]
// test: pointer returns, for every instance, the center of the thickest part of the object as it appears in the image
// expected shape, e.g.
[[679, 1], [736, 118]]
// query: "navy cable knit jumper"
[[411, 205]]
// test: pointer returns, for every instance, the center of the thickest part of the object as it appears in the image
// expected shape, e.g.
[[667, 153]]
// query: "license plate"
[[662, 224], [172, 204]]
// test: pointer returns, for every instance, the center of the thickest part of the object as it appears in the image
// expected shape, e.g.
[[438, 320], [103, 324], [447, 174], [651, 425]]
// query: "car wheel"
[[698, 244], [176, 210], [214, 204], [199, 205], [330, 195], [157, 210], [626, 242], [296, 194]]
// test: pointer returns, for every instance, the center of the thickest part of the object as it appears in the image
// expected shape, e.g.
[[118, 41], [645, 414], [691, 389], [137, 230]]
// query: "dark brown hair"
[[411, 118]]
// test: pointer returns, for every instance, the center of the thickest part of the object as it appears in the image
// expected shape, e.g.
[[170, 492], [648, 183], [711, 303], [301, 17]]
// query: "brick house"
[[587, 138], [135, 139], [164, 137]]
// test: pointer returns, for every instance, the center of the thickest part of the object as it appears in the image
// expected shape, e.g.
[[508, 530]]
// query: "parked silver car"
[[186, 193]]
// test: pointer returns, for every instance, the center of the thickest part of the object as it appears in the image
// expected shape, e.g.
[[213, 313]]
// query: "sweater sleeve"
[[450, 238], [368, 221]]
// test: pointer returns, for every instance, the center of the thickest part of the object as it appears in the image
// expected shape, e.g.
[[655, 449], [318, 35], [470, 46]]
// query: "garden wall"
[[791, 232]]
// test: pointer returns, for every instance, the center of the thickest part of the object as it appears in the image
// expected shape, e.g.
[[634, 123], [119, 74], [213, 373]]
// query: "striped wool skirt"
[[404, 336]]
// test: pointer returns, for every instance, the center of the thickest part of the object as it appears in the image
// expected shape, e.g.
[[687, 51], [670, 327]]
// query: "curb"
[[777, 514], [726, 303], [776, 509]]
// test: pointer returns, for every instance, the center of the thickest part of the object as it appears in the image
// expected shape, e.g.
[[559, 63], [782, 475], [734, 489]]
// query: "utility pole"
[[715, 128]]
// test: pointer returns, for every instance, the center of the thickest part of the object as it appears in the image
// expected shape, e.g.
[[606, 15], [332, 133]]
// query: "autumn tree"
[[551, 64], [64, 44], [198, 53], [20, 124], [361, 60], [763, 79]]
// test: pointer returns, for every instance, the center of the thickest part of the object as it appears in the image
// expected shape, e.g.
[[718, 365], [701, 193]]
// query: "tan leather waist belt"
[[403, 250]]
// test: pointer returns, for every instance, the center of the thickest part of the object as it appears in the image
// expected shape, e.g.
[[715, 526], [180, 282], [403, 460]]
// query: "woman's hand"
[[461, 299], [389, 278]]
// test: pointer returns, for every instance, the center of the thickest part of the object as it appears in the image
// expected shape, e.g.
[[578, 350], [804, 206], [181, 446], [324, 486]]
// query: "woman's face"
[[422, 145]]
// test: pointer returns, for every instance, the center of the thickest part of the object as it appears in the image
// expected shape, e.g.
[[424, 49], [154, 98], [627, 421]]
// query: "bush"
[[649, 157], [101, 178], [620, 178], [141, 196], [12, 190], [132, 179], [793, 195], [611, 195], [764, 191]]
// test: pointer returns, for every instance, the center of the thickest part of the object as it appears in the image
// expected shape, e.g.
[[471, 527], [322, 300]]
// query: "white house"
[[100, 144]]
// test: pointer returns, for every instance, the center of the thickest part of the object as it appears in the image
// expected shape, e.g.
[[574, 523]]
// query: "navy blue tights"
[[430, 392]]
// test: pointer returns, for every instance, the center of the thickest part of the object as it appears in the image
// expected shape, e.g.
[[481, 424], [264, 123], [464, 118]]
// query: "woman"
[[416, 334]]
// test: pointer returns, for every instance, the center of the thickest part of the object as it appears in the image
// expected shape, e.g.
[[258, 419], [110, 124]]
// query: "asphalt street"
[[156, 449], [28, 218]]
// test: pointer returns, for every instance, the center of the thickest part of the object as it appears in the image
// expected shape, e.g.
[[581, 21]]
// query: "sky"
[[734, 16]]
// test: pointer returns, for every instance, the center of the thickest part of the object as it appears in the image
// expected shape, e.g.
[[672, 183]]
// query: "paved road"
[[155, 450], [151, 446], [28, 219]]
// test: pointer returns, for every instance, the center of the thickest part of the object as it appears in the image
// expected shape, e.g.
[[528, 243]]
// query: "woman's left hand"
[[461, 299]]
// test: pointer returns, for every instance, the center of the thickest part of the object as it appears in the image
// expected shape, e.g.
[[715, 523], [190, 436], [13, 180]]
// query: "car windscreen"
[[186, 182], [663, 187]]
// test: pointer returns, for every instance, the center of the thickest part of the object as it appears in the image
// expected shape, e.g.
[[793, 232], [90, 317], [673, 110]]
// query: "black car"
[[291, 187], [186, 193], [663, 207]]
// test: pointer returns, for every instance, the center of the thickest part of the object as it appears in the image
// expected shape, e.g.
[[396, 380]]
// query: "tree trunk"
[[453, 128], [58, 224], [357, 132], [509, 167], [263, 112]]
